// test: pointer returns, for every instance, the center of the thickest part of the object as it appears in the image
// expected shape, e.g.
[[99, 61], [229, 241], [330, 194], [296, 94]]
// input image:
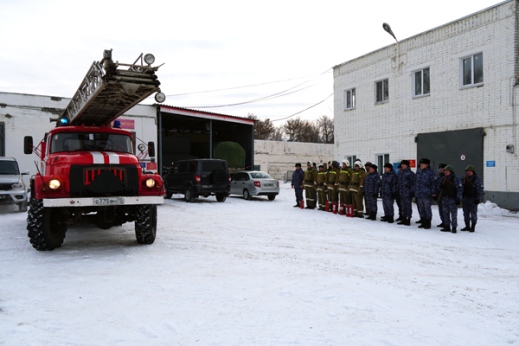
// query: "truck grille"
[[92, 174], [103, 180]]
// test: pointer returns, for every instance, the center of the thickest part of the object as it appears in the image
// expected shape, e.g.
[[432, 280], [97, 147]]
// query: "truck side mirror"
[[27, 145], [151, 149]]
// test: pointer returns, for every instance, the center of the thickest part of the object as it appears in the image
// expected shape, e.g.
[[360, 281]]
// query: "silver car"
[[12, 188], [254, 183]]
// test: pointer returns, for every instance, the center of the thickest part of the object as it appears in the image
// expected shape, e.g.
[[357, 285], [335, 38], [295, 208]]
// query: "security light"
[[149, 59]]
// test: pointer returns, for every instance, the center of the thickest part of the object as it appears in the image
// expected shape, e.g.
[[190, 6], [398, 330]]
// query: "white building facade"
[[449, 94]]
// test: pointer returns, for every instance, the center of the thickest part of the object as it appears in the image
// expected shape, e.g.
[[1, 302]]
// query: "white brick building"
[[449, 94]]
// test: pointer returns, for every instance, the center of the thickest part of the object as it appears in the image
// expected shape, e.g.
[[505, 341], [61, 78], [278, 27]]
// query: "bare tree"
[[263, 129], [326, 128], [298, 130]]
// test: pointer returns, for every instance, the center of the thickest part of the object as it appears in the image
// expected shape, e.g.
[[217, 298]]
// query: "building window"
[[382, 90], [351, 159], [422, 82], [349, 99], [382, 159], [472, 69]]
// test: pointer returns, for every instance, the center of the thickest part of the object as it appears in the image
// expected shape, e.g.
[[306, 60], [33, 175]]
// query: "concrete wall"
[[391, 127], [29, 115], [278, 157]]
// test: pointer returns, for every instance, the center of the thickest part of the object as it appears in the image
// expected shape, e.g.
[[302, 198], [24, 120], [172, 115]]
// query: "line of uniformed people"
[[337, 187]]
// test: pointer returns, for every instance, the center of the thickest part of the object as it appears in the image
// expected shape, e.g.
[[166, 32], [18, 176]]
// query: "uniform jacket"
[[345, 178], [333, 177], [372, 184], [310, 176], [451, 187], [472, 187], [389, 184], [406, 179], [425, 183], [357, 180], [297, 178], [321, 179]]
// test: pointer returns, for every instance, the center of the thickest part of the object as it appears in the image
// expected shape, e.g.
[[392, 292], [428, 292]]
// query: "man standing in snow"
[[297, 184], [321, 187], [344, 181], [424, 191], [309, 185], [406, 191], [451, 190], [472, 195], [356, 188], [439, 178], [371, 191], [332, 181], [388, 192]]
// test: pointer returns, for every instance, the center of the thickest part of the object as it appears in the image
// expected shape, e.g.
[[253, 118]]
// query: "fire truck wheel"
[[146, 223], [45, 225]]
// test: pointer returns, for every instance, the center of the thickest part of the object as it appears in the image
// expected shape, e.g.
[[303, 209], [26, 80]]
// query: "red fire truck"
[[88, 170]]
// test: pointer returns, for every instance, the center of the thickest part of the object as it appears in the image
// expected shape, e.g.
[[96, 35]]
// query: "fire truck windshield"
[[90, 141]]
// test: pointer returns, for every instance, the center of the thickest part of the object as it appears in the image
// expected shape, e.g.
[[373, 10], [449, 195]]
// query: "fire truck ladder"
[[107, 91]]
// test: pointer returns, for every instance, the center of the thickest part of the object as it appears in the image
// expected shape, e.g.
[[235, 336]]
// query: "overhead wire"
[[232, 88], [271, 96], [312, 106]]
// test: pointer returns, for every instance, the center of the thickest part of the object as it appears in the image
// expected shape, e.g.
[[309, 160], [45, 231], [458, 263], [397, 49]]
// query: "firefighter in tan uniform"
[[332, 181], [321, 187], [344, 182], [309, 185], [356, 188]]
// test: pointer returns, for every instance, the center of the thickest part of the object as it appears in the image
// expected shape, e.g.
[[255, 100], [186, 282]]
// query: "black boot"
[[407, 221], [400, 218], [446, 229], [441, 225], [390, 219], [473, 227], [428, 224], [420, 221], [373, 216], [402, 221], [383, 218], [423, 223], [453, 230], [467, 226]]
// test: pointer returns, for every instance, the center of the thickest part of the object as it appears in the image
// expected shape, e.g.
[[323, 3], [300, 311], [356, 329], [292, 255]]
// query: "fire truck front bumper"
[[101, 201]]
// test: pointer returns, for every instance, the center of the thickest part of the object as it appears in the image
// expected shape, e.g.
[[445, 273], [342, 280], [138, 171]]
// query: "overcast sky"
[[246, 50]]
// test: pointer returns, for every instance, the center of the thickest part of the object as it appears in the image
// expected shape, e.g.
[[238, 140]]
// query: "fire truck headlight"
[[150, 183], [54, 184]]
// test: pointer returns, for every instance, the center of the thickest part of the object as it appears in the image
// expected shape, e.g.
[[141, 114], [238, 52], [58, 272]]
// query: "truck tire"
[[220, 197], [146, 223], [188, 194], [45, 225]]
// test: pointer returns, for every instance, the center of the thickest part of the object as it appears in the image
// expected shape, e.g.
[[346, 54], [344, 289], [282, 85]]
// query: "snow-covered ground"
[[263, 273]]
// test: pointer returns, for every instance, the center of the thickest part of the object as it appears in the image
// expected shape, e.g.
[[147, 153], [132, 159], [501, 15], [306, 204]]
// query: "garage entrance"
[[457, 148], [191, 134]]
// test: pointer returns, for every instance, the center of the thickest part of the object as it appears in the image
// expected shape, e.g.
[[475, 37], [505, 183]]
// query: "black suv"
[[201, 177]]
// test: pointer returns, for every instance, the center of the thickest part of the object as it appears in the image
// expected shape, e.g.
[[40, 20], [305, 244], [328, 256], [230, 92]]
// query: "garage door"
[[457, 148]]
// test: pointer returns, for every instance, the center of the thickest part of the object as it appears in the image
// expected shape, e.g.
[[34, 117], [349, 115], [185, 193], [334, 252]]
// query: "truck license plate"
[[109, 201]]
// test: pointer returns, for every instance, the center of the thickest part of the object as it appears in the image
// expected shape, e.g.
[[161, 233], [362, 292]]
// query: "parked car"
[[254, 183], [12, 187], [200, 177]]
